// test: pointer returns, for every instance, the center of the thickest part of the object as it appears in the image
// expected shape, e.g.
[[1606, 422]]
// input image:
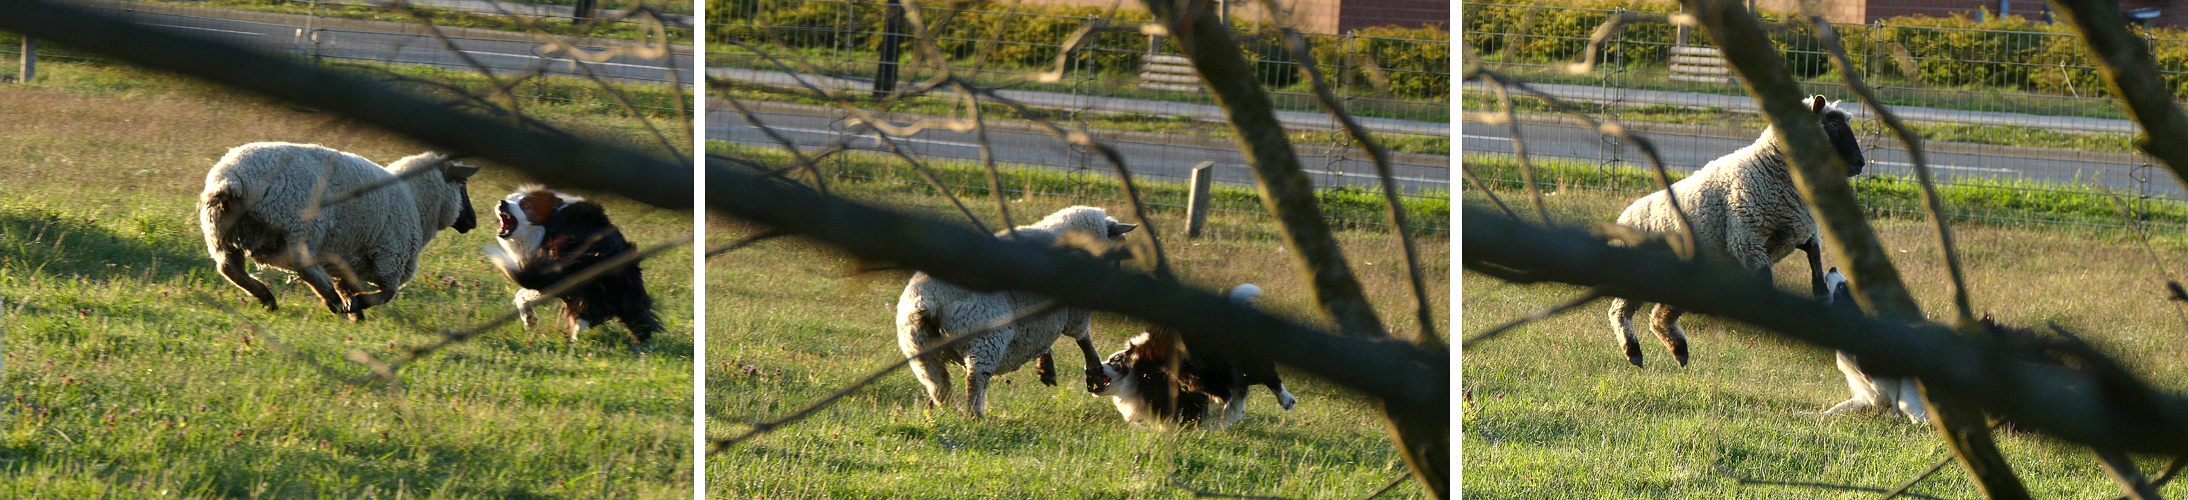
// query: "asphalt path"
[[504, 56], [2124, 174], [1147, 159]]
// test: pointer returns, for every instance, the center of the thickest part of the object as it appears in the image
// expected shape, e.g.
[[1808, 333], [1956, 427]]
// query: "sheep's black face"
[[1841, 132], [467, 219]]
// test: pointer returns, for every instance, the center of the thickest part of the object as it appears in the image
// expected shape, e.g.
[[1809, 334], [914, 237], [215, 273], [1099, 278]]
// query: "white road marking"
[[1948, 167], [206, 29], [1486, 138], [529, 56]]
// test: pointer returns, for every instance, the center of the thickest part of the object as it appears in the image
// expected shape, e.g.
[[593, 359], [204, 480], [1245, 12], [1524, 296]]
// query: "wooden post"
[[30, 61], [893, 33], [1196, 205]]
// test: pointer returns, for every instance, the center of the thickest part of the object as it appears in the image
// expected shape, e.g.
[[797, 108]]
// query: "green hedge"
[[1415, 61], [1990, 52]]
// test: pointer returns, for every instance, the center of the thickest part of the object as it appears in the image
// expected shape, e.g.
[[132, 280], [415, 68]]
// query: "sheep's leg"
[[387, 283], [316, 277], [1095, 376], [231, 266], [977, 374], [1045, 366], [1622, 312], [1665, 322], [935, 377], [1814, 249]]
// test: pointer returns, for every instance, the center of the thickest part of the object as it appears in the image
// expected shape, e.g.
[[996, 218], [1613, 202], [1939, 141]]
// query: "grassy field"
[[789, 322], [1557, 411], [120, 382]]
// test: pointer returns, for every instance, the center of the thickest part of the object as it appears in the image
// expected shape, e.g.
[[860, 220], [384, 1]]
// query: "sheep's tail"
[[218, 209], [925, 326]]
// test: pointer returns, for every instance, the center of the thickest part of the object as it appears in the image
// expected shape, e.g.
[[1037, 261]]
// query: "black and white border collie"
[[547, 236], [1210, 387]]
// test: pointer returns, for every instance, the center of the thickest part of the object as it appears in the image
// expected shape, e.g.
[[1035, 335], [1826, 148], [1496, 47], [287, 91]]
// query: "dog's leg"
[[523, 302], [1622, 312], [1283, 397], [1910, 401]]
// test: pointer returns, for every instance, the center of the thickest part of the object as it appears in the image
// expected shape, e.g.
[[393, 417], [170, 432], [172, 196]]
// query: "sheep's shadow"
[[49, 243]]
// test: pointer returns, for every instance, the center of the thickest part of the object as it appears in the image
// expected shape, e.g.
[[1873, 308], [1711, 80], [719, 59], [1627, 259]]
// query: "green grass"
[[790, 322], [1997, 135], [1990, 198], [120, 382], [1134, 122], [1344, 207], [1556, 411], [461, 19]]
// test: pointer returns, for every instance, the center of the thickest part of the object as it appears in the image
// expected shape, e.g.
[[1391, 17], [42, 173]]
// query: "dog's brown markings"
[[538, 205]]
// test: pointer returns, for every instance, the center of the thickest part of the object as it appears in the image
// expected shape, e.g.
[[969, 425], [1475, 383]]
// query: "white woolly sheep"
[[1893, 393], [1743, 206], [932, 311], [278, 203]]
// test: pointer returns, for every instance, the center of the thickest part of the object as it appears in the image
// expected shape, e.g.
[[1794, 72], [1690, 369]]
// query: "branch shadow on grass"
[[49, 243]]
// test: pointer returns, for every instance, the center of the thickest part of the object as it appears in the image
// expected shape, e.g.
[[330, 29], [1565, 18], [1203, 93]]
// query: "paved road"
[[1742, 103], [1173, 161], [1052, 100], [2122, 173], [514, 8], [506, 56]]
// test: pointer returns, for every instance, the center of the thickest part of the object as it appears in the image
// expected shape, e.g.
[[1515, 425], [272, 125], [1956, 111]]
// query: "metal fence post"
[[1196, 205], [892, 34], [30, 61]]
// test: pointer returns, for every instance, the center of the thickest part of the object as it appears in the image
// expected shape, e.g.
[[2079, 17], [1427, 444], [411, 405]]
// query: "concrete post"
[[1196, 205]]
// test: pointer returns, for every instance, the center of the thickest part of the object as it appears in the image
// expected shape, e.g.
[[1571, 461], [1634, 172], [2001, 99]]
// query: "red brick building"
[[1326, 16]]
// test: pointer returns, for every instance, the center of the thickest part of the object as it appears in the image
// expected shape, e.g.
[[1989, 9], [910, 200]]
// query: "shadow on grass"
[[49, 243]]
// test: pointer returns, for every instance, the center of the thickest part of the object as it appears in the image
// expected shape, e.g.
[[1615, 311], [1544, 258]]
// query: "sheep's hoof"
[[356, 317], [1682, 360], [1635, 359], [269, 303]]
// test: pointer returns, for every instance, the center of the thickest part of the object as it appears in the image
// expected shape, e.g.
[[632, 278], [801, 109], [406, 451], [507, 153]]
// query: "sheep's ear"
[[1117, 229], [1815, 104], [457, 172]]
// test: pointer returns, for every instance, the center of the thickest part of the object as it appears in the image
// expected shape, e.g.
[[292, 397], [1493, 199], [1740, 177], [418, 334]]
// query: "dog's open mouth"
[[508, 224]]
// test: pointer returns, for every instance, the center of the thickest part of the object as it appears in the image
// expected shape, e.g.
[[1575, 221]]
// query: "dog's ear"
[[1147, 346], [1815, 104]]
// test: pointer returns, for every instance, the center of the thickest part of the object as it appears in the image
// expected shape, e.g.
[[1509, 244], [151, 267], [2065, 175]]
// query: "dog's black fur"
[[577, 237], [1164, 377]]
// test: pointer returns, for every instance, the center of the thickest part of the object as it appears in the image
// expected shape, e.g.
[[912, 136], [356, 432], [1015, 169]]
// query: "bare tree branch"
[[554, 160]]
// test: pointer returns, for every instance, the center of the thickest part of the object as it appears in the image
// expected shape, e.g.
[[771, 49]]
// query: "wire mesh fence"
[[388, 44], [2007, 103], [1116, 85]]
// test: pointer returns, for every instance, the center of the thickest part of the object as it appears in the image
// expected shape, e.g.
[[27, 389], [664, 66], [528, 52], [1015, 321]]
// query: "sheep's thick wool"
[[304, 207], [1743, 207], [931, 311]]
